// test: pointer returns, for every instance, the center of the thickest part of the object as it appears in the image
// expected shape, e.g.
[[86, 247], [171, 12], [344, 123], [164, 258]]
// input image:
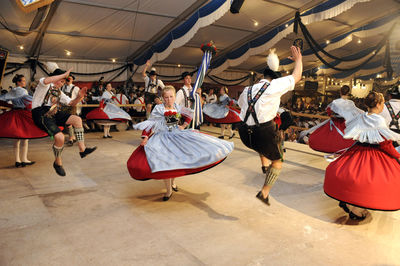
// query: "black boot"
[[87, 151], [59, 169]]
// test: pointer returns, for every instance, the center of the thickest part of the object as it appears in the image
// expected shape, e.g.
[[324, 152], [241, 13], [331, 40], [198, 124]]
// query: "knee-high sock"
[[79, 133], [16, 150], [24, 150], [57, 151], [168, 186], [71, 132], [271, 176]]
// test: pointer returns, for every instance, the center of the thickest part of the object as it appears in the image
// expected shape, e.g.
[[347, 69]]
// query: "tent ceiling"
[[103, 29]]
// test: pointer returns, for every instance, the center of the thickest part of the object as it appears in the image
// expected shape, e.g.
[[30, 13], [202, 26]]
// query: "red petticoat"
[[231, 118], [139, 168], [18, 124], [328, 139], [99, 114], [365, 177]]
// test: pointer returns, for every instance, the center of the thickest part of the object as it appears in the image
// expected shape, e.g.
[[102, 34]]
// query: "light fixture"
[[287, 25], [68, 53], [359, 41], [328, 41], [113, 60], [255, 22], [287, 71], [252, 73], [21, 47], [385, 81], [378, 75], [179, 65]]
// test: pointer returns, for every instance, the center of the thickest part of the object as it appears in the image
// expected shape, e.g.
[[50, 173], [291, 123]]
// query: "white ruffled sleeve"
[[369, 128]]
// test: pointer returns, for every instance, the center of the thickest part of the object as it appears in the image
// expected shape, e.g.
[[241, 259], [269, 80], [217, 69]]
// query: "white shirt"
[[395, 103], [148, 81], [40, 94], [180, 98], [139, 100], [107, 95], [67, 89], [211, 98], [267, 105]]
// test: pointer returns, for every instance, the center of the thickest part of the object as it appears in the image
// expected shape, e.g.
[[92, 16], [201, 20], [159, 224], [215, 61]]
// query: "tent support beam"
[[36, 46]]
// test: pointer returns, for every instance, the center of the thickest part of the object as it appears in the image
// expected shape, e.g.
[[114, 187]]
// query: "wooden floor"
[[98, 215]]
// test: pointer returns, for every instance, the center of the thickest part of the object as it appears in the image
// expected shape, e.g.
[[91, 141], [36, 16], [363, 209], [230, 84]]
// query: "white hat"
[[273, 60], [51, 66]]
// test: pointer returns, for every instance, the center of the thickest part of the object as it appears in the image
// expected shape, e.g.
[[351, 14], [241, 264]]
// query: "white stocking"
[[168, 186], [24, 150], [223, 129], [16, 150]]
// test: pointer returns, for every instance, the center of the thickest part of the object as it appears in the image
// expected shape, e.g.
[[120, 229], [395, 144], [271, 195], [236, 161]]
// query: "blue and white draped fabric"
[[18, 96], [371, 29], [323, 11], [179, 36], [171, 149], [198, 113]]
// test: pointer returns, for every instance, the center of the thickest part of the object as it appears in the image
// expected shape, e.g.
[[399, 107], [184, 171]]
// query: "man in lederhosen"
[[151, 86], [391, 110], [72, 92], [183, 97], [259, 105], [47, 115]]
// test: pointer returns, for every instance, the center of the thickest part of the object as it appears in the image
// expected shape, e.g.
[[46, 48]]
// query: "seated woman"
[[367, 174], [222, 112], [168, 150], [108, 114], [328, 135]]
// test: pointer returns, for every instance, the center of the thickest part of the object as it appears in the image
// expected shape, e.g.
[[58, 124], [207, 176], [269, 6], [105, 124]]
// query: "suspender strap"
[[252, 102], [186, 98], [395, 117]]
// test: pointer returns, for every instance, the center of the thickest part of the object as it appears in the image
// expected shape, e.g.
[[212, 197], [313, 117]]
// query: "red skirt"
[[139, 168], [328, 139], [18, 124], [99, 114], [366, 177], [231, 118]]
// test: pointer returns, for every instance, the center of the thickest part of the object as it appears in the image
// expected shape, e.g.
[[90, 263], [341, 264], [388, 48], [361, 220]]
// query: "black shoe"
[[260, 197], [264, 169], [25, 164], [165, 198], [232, 136], [355, 217], [221, 137], [59, 169], [18, 164], [104, 137], [87, 151], [344, 206], [110, 137], [175, 188]]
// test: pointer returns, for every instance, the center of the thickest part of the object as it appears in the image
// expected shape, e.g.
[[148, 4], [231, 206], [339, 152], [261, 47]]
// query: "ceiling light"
[[287, 71], [179, 65], [255, 23], [328, 41], [252, 73], [67, 52], [21, 47], [287, 25], [359, 41], [113, 60]]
